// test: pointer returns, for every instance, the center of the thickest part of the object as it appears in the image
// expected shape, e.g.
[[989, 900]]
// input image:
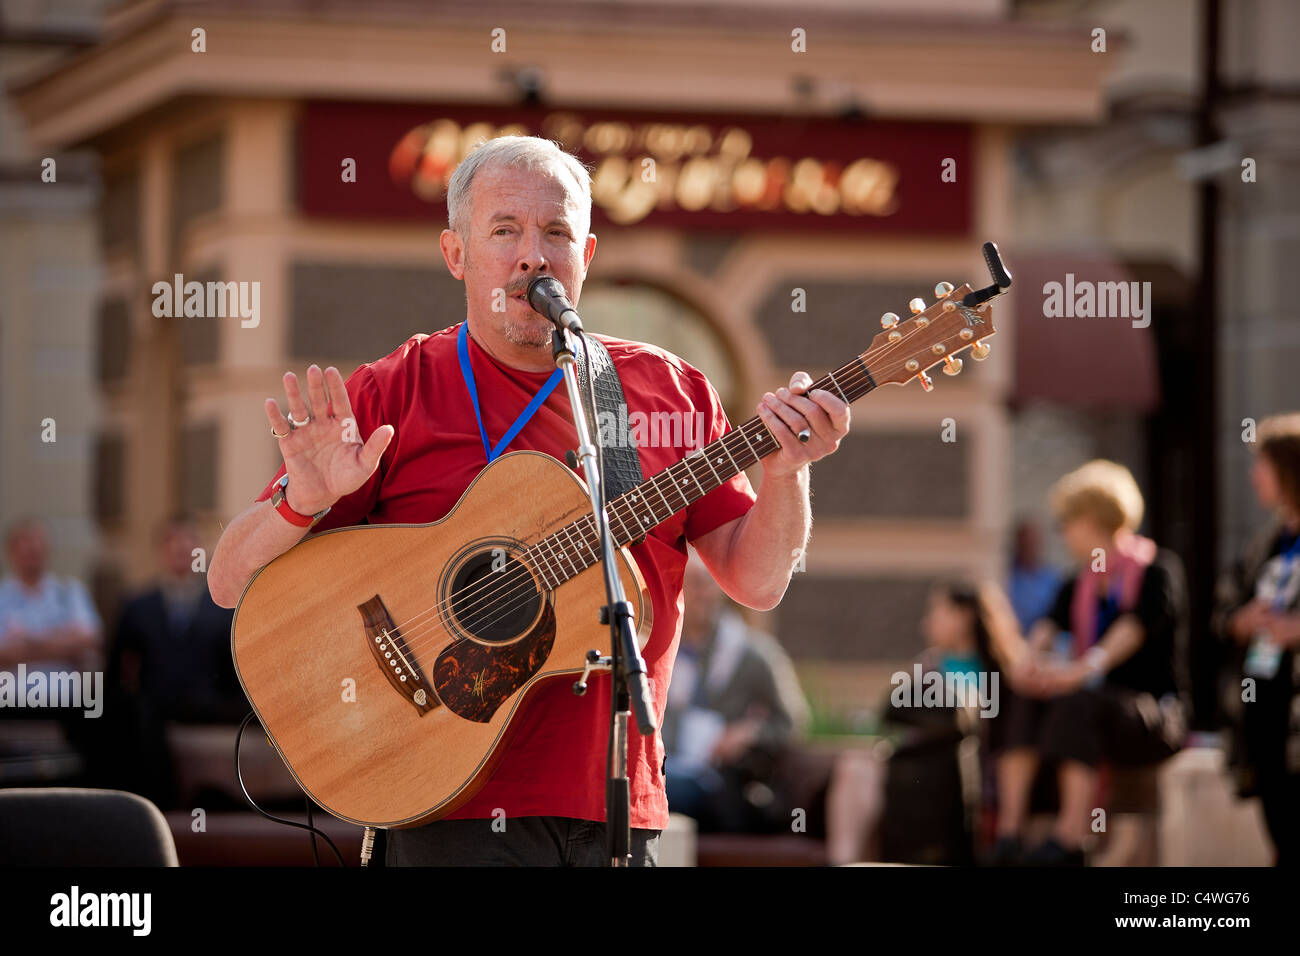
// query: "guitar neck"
[[635, 513]]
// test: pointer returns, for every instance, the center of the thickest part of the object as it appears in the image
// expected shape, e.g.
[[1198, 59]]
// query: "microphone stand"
[[625, 662]]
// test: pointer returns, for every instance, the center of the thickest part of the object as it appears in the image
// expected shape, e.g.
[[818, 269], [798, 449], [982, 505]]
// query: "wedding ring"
[[278, 435]]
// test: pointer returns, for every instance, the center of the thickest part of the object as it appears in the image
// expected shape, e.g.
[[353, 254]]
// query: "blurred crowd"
[[1093, 687], [1081, 677], [165, 661]]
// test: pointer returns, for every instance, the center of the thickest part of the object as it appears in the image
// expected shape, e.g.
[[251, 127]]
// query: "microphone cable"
[[314, 830]]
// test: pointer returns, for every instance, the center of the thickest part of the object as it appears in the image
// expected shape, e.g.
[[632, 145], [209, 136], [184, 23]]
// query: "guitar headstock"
[[907, 348]]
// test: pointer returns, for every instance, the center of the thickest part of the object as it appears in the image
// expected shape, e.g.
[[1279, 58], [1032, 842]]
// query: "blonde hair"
[[1104, 491], [1279, 441]]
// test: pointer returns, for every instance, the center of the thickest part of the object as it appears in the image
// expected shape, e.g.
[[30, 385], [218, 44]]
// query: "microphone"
[[546, 295]]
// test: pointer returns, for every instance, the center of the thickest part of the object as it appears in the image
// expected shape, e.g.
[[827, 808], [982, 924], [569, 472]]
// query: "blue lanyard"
[[1284, 578], [462, 347]]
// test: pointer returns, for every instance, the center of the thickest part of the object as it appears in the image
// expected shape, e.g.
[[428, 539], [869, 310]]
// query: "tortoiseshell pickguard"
[[474, 679]]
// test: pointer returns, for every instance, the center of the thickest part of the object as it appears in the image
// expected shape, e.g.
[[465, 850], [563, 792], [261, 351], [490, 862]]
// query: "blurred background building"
[[212, 140]]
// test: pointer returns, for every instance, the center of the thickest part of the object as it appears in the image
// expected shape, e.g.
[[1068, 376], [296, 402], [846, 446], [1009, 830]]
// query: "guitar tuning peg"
[[925, 381], [888, 320], [951, 366], [917, 305], [942, 289], [980, 351]]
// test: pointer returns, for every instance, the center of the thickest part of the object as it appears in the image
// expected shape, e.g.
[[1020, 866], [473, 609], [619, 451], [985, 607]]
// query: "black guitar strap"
[[622, 462]]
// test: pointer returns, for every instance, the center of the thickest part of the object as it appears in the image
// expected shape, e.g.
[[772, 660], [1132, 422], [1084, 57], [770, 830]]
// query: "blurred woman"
[[1111, 694], [913, 800], [1257, 608]]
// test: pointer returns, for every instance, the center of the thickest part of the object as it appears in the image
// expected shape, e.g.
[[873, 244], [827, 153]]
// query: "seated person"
[[733, 706], [46, 622], [49, 625], [911, 800], [1113, 696]]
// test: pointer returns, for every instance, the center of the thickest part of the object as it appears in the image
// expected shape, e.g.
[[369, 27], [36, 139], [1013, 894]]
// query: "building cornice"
[[887, 67]]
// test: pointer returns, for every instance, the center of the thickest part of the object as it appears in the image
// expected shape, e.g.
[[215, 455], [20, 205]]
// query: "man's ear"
[[453, 252], [589, 250]]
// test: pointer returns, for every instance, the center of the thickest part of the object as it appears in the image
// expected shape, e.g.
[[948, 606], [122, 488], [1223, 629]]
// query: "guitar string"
[[855, 377], [511, 579], [507, 587], [529, 592]]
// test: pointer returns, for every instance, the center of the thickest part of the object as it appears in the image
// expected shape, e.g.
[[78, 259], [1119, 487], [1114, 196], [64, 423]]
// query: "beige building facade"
[[203, 175]]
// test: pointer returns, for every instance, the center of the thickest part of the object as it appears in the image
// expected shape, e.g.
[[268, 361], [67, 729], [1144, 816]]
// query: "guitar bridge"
[[394, 658]]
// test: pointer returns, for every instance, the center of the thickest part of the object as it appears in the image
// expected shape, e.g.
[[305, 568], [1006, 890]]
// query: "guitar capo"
[[1001, 278]]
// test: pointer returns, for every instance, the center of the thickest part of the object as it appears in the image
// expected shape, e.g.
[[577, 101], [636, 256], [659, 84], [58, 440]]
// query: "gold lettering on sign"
[[695, 169]]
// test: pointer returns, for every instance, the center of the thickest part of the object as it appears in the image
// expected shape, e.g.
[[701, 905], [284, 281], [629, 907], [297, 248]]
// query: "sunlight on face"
[[1263, 475], [946, 626], [523, 223], [1082, 536]]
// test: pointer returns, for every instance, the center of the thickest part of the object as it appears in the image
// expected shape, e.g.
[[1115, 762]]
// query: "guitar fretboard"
[[576, 546]]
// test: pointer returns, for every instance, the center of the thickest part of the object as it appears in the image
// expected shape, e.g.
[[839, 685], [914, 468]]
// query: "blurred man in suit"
[[170, 662]]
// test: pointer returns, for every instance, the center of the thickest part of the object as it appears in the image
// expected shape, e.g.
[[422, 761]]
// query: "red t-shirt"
[[556, 762]]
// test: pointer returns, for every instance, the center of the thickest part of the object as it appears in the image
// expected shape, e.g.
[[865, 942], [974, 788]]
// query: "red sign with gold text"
[[684, 170]]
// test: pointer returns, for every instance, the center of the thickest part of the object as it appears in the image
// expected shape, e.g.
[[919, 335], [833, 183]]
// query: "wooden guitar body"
[[387, 662]]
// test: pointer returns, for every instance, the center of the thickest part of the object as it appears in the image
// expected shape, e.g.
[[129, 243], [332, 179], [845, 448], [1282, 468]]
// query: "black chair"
[[65, 826]]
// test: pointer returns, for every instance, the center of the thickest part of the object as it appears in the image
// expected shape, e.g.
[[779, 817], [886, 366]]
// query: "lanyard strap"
[[1289, 557], [467, 373]]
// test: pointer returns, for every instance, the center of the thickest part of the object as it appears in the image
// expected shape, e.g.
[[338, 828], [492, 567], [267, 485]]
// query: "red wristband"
[[280, 501]]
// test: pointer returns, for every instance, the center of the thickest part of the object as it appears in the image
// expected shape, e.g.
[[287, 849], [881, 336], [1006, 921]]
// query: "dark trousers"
[[1109, 724], [515, 841]]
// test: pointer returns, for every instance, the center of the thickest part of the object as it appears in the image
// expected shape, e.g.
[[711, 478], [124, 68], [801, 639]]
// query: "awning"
[[1083, 335]]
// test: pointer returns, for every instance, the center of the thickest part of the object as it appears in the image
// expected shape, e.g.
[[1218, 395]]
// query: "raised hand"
[[324, 455]]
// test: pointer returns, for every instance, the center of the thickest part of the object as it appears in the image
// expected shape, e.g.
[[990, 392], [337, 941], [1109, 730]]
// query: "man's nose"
[[531, 257]]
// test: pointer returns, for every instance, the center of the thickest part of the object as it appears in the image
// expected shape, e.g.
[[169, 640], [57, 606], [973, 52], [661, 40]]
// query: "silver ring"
[[803, 435], [294, 423]]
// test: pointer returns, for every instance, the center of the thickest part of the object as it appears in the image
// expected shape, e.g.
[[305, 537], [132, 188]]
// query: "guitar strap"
[[622, 462]]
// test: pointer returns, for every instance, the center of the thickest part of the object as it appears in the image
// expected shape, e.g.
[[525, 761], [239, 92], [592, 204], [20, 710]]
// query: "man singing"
[[403, 438]]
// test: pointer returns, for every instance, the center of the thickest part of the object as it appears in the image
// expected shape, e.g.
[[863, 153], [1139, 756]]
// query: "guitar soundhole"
[[493, 597]]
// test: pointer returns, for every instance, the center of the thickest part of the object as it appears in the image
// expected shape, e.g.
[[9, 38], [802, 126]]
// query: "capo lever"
[[1001, 278]]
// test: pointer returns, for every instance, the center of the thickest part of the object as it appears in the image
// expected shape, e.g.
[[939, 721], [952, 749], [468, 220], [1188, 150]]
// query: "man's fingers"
[[278, 423], [814, 414], [792, 419], [337, 392], [298, 409], [316, 391], [784, 436], [800, 382], [836, 409], [374, 447]]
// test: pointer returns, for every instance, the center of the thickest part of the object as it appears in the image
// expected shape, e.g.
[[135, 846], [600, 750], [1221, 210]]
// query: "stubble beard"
[[529, 335], [522, 334]]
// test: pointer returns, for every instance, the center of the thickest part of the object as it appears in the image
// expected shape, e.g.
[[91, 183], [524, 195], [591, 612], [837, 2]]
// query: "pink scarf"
[[1127, 561]]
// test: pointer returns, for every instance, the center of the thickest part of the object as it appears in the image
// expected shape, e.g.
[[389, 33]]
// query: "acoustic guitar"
[[390, 695]]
